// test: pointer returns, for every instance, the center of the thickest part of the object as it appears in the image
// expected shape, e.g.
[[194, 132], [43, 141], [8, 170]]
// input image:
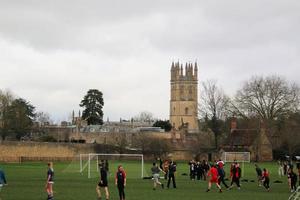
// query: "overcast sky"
[[52, 52]]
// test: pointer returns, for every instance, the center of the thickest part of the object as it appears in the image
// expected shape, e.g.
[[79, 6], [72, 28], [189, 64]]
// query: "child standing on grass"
[[121, 182], [103, 183], [50, 181]]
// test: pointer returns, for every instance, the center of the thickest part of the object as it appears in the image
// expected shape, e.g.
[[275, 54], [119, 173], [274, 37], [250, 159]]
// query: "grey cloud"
[[52, 52]]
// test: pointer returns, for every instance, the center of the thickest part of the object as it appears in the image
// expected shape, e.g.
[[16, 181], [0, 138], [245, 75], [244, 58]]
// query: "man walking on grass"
[[213, 174], [172, 171]]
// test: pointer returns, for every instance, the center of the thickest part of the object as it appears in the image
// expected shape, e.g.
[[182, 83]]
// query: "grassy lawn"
[[26, 181]]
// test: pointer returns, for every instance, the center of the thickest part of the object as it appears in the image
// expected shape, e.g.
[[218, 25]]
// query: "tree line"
[[271, 101]]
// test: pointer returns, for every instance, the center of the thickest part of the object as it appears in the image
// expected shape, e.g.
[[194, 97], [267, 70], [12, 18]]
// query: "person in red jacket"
[[266, 179], [213, 174], [121, 181]]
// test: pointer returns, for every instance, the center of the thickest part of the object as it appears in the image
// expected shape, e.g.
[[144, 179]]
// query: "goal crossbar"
[[90, 155]]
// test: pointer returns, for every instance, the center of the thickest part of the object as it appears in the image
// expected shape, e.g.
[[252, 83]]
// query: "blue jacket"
[[2, 177]]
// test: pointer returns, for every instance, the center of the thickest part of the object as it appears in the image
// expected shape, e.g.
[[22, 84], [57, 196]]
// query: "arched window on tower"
[[186, 110]]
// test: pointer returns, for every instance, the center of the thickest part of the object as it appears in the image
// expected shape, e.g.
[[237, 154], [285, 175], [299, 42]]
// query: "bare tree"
[[6, 99], [121, 143], [151, 145], [214, 104], [42, 118], [141, 141], [213, 101], [144, 116], [158, 147], [267, 97]]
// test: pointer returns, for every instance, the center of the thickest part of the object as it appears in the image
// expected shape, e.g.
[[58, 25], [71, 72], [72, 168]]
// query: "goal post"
[[240, 157], [88, 160]]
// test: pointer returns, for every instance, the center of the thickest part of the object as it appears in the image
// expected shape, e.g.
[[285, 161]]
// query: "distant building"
[[184, 96], [256, 141]]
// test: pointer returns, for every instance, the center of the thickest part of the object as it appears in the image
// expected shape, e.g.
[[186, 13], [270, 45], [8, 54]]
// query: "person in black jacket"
[[259, 175], [103, 183], [199, 171], [172, 171]]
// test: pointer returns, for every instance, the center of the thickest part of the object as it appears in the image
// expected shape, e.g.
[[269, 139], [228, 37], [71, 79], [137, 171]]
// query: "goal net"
[[89, 163], [239, 157], [236, 157]]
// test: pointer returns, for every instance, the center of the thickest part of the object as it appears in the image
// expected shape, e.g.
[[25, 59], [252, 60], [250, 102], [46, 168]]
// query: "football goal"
[[240, 157], [89, 162]]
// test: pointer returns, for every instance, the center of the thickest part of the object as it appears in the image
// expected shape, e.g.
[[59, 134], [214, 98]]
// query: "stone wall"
[[20, 151]]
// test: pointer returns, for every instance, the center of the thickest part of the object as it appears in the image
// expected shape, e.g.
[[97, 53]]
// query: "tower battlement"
[[189, 72]]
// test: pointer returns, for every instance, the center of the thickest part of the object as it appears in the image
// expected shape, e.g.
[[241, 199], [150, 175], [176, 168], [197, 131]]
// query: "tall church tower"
[[184, 96]]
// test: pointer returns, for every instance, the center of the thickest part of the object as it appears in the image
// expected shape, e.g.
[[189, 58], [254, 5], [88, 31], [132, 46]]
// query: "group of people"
[[286, 168], [215, 172], [120, 181], [263, 177], [198, 170], [292, 176], [217, 175]]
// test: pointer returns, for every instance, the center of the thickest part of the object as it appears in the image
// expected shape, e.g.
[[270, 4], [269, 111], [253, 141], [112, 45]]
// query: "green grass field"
[[26, 181]]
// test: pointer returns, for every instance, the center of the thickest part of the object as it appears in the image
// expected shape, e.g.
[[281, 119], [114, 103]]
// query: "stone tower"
[[184, 96]]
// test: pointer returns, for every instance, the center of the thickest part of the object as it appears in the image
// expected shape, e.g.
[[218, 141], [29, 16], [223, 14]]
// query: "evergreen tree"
[[93, 104], [163, 124], [20, 116]]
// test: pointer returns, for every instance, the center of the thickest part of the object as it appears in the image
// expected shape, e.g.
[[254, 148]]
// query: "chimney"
[[233, 125]]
